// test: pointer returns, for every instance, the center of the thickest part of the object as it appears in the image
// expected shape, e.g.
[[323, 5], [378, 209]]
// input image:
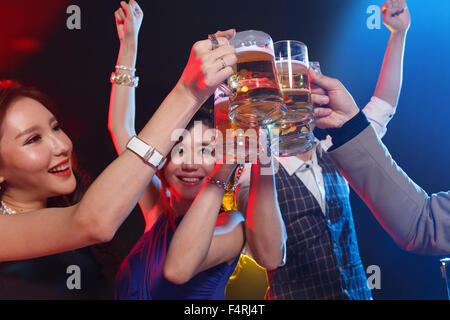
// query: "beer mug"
[[256, 98], [292, 134], [445, 268], [289, 138], [233, 144], [292, 65]]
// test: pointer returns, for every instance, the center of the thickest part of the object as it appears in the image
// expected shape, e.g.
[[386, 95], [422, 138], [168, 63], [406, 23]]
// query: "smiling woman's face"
[[184, 177], [34, 152]]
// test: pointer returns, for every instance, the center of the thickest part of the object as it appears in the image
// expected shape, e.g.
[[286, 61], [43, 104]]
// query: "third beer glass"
[[256, 97], [289, 138], [233, 144]]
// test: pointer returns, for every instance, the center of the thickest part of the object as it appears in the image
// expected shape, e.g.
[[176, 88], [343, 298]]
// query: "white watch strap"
[[146, 152]]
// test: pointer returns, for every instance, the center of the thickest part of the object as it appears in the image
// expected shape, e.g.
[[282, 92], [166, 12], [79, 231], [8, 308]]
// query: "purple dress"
[[141, 278]]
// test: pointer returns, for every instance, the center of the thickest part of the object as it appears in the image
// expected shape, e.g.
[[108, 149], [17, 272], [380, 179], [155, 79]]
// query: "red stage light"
[[25, 26]]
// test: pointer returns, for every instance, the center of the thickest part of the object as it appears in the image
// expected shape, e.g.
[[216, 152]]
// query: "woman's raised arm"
[[121, 118]]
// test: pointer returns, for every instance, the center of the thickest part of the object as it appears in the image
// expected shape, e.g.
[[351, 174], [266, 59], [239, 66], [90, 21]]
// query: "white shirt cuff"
[[379, 113]]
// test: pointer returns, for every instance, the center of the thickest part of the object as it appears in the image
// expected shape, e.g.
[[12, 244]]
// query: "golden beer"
[[233, 143], [292, 134], [256, 98], [296, 90], [290, 138]]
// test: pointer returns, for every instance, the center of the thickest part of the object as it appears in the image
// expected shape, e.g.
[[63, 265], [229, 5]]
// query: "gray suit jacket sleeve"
[[418, 222]]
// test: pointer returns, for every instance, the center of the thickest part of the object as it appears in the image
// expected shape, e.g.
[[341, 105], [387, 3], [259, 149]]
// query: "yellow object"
[[228, 202], [248, 282]]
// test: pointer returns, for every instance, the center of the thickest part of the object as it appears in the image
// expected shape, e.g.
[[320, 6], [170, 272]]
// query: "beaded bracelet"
[[122, 67]]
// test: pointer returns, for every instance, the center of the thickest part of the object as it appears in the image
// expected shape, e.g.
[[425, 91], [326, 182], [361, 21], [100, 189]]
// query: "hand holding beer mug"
[[292, 134], [256, 97], [209, 65]]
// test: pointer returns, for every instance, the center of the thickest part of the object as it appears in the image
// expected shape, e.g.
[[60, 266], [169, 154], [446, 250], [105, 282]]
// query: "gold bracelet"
[[123, 79]]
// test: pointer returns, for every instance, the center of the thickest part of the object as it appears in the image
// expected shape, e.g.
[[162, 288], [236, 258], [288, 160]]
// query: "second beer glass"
[[292, 134], [292, 65]]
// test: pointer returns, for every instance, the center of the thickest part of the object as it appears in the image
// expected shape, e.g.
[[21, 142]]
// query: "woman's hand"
[[208, 66], [128, 22]]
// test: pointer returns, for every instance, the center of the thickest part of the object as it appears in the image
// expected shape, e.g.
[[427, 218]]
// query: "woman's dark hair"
[[11, 91], [205, 115]]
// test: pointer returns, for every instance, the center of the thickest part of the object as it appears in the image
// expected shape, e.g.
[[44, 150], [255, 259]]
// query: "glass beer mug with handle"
[[293, 134], [256, 98], [289, 138], [292, 64]]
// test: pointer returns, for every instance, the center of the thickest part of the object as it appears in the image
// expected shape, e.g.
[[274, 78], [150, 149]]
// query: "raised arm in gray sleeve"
[[418, 222]]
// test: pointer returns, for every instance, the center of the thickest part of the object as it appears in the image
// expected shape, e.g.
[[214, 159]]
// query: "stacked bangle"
[[124, 79]]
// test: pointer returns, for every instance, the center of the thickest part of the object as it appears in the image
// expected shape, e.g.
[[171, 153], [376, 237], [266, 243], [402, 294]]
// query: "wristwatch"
[[148, 153]]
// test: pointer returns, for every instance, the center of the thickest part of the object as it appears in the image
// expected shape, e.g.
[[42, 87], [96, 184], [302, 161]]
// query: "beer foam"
[[294, 62], [254, 48]]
